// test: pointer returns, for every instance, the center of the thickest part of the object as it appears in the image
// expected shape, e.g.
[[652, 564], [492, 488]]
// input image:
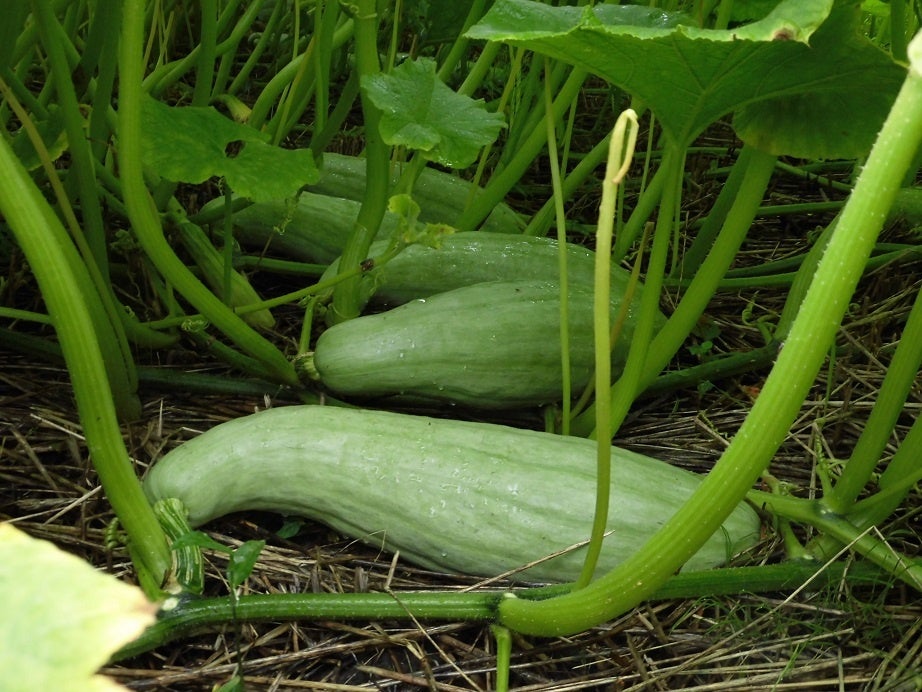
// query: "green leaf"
[[411, 231], [691, 77], [264, 173], [421, 112], [199, 539], [290, 528], [51, 131], [235, 684], [242, 561], [62, 619], [852, 89], [193, 144]]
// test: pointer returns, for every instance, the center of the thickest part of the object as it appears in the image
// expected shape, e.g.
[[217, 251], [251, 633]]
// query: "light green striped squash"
[[461, 497], [462, 259], [491, 345], [315, 228]]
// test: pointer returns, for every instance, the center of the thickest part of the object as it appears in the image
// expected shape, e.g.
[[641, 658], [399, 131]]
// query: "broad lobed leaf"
[[690, 77], [190, 145], [421, 112]]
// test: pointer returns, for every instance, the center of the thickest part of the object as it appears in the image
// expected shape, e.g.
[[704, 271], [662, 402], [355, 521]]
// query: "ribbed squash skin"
[[468, 258], [441, 196], [465, 497], [315, 229], [490, 345]]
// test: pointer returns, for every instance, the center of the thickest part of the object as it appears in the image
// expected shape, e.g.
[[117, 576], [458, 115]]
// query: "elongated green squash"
[[312, 229], [465, 497], [441, 196], [490, 345], [316, 226], [462, 259]]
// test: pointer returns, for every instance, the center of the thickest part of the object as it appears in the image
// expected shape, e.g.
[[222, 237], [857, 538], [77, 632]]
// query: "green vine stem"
[[629, 385], [503, 639], [81, 169], [99, 57], [898, 32], [646, 204], [44, 242], [563, 274], [184, 617], [297, 94], [706, 233], [860, 539], [168, 74], [891, 398], [272, 94], [207, 52], [143, 214], [230, 58], [461, 43], [623, 141], [778, 404], [105, 314], [346, 297], [541, 220], [625, 390], [254, 52], [500, 183], [905, 468], [325, 20], [758, 166], [897, 480]]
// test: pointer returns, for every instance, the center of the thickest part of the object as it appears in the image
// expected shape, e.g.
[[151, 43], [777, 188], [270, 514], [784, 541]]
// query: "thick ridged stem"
[[779, 402]]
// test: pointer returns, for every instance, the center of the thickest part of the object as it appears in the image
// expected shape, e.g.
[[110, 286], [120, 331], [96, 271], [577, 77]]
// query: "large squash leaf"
[[691, 77], [421, 112], [191, 144], [62, 619]]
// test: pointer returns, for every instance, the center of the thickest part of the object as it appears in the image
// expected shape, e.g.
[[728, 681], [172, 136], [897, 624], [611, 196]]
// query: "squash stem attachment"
[[620, 153]]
